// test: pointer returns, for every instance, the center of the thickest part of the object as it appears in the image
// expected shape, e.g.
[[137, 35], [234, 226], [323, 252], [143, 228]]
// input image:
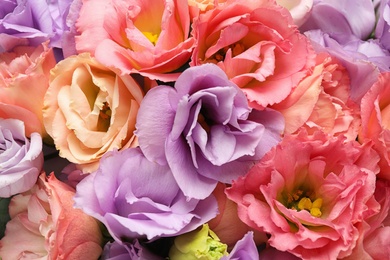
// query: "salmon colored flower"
[[321, 101], [310, 194], [257, 45], [24, 73], [375, 115], [45, 225], [90, 109], [150, 37]]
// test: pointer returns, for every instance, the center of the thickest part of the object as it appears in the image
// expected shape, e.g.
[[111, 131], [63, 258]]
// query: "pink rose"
[[257, 45], [45, 225], [150, 37], [89, 110], [375, 116], [24, 73], [310, 194], [321, 101], [201, 6]]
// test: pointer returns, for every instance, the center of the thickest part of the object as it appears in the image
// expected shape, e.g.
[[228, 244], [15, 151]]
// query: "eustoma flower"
[[375, 108], [32, 22], [149, 36], [310, 194], [90, 109], [257, 45], [208, 133], [24, 72], [136, 199], [45, 225], [21, 159]]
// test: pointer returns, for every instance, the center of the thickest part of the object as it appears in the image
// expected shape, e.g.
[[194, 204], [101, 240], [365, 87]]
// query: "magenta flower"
[[310, 194], [136, 198], [204, 130], [21, 159]]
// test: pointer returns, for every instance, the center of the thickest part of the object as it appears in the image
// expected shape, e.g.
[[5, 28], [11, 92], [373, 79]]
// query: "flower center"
[[152, 37], [300, 200], [104, 118], [236, 48]]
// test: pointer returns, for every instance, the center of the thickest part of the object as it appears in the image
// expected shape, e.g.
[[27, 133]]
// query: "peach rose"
[[45, 225], [24, 72], [375, 114], [89, 110], [321, 101], [257, 45], [150, 37]]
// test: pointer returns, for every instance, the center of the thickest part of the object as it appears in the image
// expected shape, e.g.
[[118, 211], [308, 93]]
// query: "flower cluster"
[[194, 129]]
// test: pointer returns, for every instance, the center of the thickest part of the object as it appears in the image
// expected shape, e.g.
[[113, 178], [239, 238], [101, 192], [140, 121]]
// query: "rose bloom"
[[45, 225], [89, 109], [24, 72], [21, 159], [321, 101], [136, 198], [375, 108], [32, 22], [207, 132], [299, 9], [254, 42], [150, 37], [310, 194]]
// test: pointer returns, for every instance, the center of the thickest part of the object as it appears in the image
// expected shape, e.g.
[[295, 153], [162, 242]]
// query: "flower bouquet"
[[194, 129]]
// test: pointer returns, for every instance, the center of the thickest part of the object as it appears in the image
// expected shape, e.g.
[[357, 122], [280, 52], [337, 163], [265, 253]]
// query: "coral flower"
[[310, 194], [149, 36]]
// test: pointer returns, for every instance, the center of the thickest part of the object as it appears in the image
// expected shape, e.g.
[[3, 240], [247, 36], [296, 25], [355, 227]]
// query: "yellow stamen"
[[316, 212], [152, 37], [305, 203], [317, 203]]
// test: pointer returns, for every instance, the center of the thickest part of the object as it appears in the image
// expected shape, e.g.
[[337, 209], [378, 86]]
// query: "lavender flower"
[[127, 251], [204, 130], [30, 22], [21, 160], [136, 198]]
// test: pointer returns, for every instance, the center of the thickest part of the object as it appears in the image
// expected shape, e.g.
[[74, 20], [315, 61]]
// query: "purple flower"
[[21, 159], [244, 249], [127, 251], [136, 198], [382, 30], [204, 130], [31, 22], [342, 20]]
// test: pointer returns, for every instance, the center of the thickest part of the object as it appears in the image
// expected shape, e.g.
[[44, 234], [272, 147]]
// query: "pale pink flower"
[[24, 73], [299, 9], [45, 225]]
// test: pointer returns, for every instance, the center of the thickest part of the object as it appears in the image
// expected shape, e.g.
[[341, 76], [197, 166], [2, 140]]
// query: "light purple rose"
[[127, 251], [244, 249], [135, 198], [31, 22], [343, 20], [21, 159], [204, 130]]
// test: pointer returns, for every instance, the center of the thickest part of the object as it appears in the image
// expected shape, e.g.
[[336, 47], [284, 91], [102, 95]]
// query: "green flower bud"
[[200, 244]]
